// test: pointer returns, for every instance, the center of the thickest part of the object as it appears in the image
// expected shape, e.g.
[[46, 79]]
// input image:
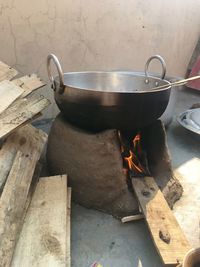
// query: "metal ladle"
[[177, 83]]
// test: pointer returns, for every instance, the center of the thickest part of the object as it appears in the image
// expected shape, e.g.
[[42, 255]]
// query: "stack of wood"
[[34, 213]]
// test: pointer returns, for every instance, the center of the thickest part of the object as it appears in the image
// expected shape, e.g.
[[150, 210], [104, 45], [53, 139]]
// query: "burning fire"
[[134, 156], [132, 160]]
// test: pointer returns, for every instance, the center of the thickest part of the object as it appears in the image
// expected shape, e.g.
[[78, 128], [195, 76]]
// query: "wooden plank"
[[166, 233], [19, 186], [68, 245], [35, 179], [13, 203], [6, 72], [43, 240], [24, 139], [29, 84], [6, 162], [9, 92], [23, 111]]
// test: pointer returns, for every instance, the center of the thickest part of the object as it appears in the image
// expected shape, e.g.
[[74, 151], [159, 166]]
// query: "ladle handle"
[[163, 64], [60, 72], [177, 83]]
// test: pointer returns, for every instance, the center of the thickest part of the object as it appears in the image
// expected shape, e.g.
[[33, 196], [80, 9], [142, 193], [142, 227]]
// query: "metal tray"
[[190, 119]]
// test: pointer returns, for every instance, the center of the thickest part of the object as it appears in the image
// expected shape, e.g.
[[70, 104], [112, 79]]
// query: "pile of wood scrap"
[[34, 213]]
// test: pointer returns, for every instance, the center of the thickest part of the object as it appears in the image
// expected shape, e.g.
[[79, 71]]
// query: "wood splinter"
[[131, 218]]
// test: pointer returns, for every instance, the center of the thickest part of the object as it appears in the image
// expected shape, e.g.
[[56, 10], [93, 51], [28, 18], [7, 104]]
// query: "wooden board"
[[166, 233], [9, 92], [24, 139], [13, 203], [23, 111], [29, 84], [35, 179], [6, 72], [43, 240], [68, 235], [6, 162], [17, 191]]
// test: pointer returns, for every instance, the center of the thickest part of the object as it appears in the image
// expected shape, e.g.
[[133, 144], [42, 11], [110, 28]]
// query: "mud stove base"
[[95, 168]]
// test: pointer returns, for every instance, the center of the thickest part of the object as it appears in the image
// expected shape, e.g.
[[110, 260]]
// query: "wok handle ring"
[[163, 64], [60, 72]]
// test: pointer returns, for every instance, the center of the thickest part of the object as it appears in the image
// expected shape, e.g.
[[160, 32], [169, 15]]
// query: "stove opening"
[[134, 156]]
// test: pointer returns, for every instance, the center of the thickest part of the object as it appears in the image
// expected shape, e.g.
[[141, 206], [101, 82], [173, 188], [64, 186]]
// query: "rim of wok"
[[119, 74]]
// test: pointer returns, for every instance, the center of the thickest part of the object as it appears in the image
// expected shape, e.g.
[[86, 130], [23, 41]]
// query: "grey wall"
[[104, 34]]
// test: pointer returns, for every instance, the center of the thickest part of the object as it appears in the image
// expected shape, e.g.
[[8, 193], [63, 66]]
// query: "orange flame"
[[131, 163], [132, 160]]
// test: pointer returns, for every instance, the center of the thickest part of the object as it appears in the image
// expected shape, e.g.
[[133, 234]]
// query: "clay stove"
[[99, 164]]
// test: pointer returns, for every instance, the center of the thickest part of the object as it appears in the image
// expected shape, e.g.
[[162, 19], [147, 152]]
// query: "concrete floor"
[[185, 151], [99, 237]]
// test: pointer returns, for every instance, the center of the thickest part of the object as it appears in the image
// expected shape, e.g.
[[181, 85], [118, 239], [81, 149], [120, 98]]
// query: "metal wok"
[[101, 99]]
